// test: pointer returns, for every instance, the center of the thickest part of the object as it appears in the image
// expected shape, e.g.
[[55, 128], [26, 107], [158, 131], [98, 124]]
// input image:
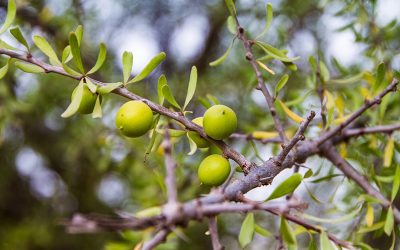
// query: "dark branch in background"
[[170, 166], [251, 137], [354, 132], [213, 230]]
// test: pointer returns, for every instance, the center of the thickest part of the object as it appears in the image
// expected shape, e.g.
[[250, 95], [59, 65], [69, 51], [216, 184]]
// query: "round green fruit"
[[219, 122], [200, 141], [134, 119], [88, 100], [214, 170]]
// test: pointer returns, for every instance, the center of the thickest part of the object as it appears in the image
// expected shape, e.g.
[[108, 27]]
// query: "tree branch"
[[213, 229], [158, 238], [170, 166], [354, 132]]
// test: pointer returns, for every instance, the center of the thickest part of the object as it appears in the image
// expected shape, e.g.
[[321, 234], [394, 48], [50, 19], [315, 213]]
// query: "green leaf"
[[4, 69], [91, 86], [162, 81], [76, 52], [363, 246], [28, 67], [276, 53], [380, 75], [191, 86], [75, 102], [396, 183], [97, 112], [66, 55], [247, 230], [100, 59], [286, 187], [287, 233], [344, 218], [127, 61], [231, 25], [11, 11], [169, 97], [153, 135], [268, 18], [281, 84], [192, 144], [369, 198], [149, 67], [351, 79], [70, 71], [372, 228], [325, 243], [46, 48], [79, 34], [388, 152], [328, 177], [231, 7], [5, 45], [223, 57], [262, 231], [389, 222], [16, 32], [109, 87], [308, 174], [324, 71]]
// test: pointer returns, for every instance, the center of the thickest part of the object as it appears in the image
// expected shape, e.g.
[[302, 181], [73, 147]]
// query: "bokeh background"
[[52, 167]]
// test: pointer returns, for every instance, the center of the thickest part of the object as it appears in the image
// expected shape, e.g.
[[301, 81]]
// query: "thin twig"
[[158, 238], [213, 229], [354, 132], [170, 166], [251, 137]]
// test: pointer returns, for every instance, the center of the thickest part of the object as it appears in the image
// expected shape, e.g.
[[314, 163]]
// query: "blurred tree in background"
[[52, 168]]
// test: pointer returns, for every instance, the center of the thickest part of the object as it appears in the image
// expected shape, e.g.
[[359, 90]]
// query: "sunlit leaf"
[[247, 230], [396, 183], [325, 243], [17, 34], [162, 81], [231, 25], [191, 86], [223, 57], [100, 59], [372, 228], [76, 51], [79, 34], [352, 79], [4, 69], [70, 70], [109, 87], [154, 62], [268, 18], [324, 71], [192, 145], [91, 86], [380, 75], [259, 135], [286, 187], [97, 112], [262, 231], [5, 45], [344, 218], [275, 53], [28, 67], [75, 102], [282, 82], [290, 113], [127, 61], [287, 233], [154, 135], [66, 55], [388, 152], [148, 212], [11, 11], [46, 48], [389, 222], [369, 216], [169, 96], [265, 67], [231, 7]]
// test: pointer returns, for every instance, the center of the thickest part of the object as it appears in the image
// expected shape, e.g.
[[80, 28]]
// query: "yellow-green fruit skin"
[[88, 100], [219, 122], [214, 170], [200, 141], [134, 119]]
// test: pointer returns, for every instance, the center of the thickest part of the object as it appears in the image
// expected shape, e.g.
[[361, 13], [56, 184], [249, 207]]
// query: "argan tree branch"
[[213, 230], [157, 239], [354, 132], [170, 166]]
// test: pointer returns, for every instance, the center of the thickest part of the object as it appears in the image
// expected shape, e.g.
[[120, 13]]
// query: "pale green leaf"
[[76, 51], [75, 102], [28, 67], [79, 34], [97, 112], [396, 183], [231, 25], [380, 75], [11, 11], [282, 82], [222, 58], [109, 87], [269, 14], [149, 67], [127, 61], [91, 86], [169, 96], [351, 79], [191, 86], [154, 135], [17, 34], [71, 71], [286, 187], [275, 53], [66, 55], [231, 7], [46, 48], [192, 145], [100, 59], [5, 45], [287, 233], [4, 69], [389, 222], [324, 71], [369, 215], [262, 231], [388, 152], [372, 228], [247, 230], [344, 218], [325, 243], [162, 81]]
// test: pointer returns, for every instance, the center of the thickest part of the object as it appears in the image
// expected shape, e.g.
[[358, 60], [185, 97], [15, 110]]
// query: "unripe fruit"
[[214, 170], [200, 141], [219, 122], [134, 119], [88, 100]]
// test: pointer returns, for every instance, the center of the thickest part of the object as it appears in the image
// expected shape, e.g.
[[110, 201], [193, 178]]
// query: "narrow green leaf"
[[162, 81], [388, 153], [76, 51], [91, 86], [291, 66], [286, 187], [344, 218], [363, 246], [149, 67], [372, 228], [369, 198], [75, 102], [97, 112], [351, 79], [308, 174], [325, 243], [287, 233], [389, 222], [127, 61], [231, 25], [282, 82], [4, 69], [380, 75], [191, 86], [247, 230], [100, 59], [66, 55], [109, 87], [313, 63], [17, 34], [223, 57], [11, 11], [46, 48], [5, 45], [172, 132], [325, 178], [28, 67], [269, 14], [79, 34], [70, 71], [262, 231], [153, 135], [276, 53], [169, 97], [192, 145], [324, 71], [231, 7], [396, 183]]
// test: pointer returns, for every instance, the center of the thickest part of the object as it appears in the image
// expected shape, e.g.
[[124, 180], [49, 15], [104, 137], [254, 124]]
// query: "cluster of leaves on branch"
[[374, 209]]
